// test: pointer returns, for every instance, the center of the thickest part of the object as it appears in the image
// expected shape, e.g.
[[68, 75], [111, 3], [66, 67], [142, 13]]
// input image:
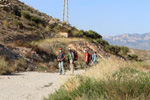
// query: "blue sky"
[[107, 17]]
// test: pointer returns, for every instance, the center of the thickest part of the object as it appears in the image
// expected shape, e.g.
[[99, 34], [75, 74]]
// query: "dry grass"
[[3, 66], [111, 79], [72, 83], [108, 66], [104, 70], [61, 40], [52, 45]]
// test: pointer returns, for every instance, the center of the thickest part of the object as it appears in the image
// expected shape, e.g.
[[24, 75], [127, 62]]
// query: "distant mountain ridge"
[[136, 41]]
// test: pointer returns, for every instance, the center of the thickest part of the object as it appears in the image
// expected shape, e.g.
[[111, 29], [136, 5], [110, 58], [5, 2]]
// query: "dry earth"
[[31, 85]]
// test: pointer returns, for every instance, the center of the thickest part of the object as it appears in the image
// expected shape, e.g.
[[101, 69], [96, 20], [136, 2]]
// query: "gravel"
[[31, 85]]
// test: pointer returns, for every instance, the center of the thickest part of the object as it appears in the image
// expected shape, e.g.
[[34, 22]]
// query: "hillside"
[[33, 39], [142, 54], [19, 21], [136, 41]]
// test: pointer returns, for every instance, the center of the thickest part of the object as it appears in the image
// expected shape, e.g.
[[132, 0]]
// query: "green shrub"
[[57, 28], [133, 57], [35, 19], [18, 23], [126, 84], [78, 33], [92, 34], [26, 15], [4, 68], [113, 49], [18, 13], [102, 42], [29, 9], [124, 50]]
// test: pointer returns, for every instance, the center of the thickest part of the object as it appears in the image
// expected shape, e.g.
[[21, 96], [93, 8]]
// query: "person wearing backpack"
[[94, 57], [86, 59], [61, 58], [71, 57]]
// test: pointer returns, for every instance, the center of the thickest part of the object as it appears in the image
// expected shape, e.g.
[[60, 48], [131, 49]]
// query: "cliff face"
[[136, 41]]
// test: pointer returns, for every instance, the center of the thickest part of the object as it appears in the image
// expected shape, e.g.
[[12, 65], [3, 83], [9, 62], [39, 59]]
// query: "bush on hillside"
[[35, 19], [102, 42], [78, 33], [18, 24], [133, 57], [25, 15], [4, 68], [57, 28], [18, 13], [92, 34], [124, 50], [113, 49]]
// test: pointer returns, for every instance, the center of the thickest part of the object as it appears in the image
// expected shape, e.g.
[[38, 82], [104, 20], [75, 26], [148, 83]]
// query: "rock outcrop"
[[9, 54]]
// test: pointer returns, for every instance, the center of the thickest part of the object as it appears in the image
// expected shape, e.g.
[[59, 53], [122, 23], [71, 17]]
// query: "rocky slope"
[[136, 41], [19, 21]]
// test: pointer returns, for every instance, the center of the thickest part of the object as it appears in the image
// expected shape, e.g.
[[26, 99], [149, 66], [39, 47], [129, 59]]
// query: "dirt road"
[[31, 85]]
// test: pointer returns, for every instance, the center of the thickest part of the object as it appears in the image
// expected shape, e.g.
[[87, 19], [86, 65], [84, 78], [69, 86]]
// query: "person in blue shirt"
[[94, 57]]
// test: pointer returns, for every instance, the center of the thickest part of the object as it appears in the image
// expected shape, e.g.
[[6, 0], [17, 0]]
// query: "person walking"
[[94, 57], [71, 57], [86, 59], [61, 58]]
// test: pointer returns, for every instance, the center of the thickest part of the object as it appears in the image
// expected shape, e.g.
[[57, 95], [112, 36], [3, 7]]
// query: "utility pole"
[[65, 11], [65, 24]]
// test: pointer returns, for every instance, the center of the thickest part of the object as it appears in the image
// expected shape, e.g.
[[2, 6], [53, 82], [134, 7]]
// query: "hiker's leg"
[[60, 69], [72, 68], [62, 66], [85, 65]]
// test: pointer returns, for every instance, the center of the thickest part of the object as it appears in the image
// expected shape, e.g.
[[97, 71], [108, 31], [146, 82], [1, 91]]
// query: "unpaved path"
[[31, 85]]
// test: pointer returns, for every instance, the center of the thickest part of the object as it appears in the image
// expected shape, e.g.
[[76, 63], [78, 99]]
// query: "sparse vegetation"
[[119, 80], [133, 57], [4, 69], [8, 67], [33, 18], [6, 24], [18, 24]]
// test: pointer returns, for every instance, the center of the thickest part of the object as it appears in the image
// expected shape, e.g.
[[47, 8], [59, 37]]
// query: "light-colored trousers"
[[71, 67], [61, 68]]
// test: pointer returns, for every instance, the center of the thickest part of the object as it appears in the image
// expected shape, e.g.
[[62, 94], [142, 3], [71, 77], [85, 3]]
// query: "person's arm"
[[73, 57], [63, 58], [58, 58]]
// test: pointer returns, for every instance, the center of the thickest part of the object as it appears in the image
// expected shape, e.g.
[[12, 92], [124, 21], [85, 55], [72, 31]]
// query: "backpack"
[[75, 56], [90, 57]]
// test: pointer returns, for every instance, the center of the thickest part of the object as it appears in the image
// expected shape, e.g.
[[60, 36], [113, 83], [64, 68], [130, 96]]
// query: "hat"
[[60, 48], [69, 48]]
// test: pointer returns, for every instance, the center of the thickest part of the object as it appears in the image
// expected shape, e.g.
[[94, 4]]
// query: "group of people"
[[72, 57]]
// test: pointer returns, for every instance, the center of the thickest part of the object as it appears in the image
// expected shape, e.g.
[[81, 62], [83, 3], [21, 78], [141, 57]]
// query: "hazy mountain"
[[136, 41]]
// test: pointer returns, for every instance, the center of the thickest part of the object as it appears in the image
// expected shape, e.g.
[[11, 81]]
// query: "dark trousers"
[[86, 65]]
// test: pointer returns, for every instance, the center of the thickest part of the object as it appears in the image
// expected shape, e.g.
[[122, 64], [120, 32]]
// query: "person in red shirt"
[[86, 58]]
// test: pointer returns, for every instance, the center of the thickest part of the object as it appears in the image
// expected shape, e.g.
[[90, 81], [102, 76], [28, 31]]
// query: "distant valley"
[[136, 41]]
